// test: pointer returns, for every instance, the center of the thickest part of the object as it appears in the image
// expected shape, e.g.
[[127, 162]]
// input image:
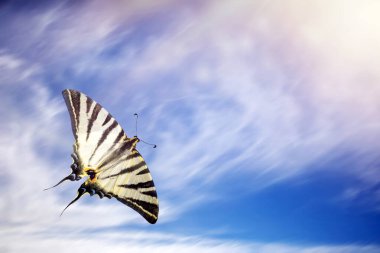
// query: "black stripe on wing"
[[137, 186], [108, 152], [151, 193], [89, 102], [141, 187], [148, 210], [72, 100], [94, 116], [107, 119], [117, 155], [104, 137], [126, 170], [144, 171], [106, 133]]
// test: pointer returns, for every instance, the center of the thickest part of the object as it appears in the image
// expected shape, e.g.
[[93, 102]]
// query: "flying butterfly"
[[104, 154]]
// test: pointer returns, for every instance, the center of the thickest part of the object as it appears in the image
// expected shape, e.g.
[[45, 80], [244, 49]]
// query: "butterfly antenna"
[[80, 193], [154, 145], [137, 116]]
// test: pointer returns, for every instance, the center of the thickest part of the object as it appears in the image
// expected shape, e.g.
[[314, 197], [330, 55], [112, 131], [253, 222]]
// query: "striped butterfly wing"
[[128, 180], [103, 152], [96, 132]]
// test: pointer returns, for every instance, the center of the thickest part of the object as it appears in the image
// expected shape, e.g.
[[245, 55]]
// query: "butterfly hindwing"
[[130, 182], [103, 151]]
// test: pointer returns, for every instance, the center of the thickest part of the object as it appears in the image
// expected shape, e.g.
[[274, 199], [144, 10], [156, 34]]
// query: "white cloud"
[[137, 241], [270, 88], [35, 155], [295, 86], [8, 61], [261, 87]]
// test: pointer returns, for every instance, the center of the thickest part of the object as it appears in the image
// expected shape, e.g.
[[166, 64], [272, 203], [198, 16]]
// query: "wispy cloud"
[[296, 89], [137, 241], [252, 87], [247, 95], [34, 156]]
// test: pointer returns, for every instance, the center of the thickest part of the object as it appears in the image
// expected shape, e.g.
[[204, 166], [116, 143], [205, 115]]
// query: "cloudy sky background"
[[266, 115]]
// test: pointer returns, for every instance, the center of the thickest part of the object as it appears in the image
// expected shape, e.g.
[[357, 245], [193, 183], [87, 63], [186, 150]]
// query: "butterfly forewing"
[[96, 131], [101, 144]]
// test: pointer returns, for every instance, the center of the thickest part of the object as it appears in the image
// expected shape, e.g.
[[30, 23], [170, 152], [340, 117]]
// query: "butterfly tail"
[[71, 177], [81, 191]]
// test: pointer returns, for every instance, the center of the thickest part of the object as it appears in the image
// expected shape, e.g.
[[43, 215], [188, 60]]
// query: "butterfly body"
[[104, 155]]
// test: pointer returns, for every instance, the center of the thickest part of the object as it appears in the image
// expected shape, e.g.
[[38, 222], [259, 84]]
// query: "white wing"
[[96, 132], [104, 153]]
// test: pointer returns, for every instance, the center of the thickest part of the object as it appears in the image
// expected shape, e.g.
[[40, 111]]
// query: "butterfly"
[[108, 158]]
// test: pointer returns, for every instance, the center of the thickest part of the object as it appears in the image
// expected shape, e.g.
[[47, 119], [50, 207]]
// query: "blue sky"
[[266, 115]]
